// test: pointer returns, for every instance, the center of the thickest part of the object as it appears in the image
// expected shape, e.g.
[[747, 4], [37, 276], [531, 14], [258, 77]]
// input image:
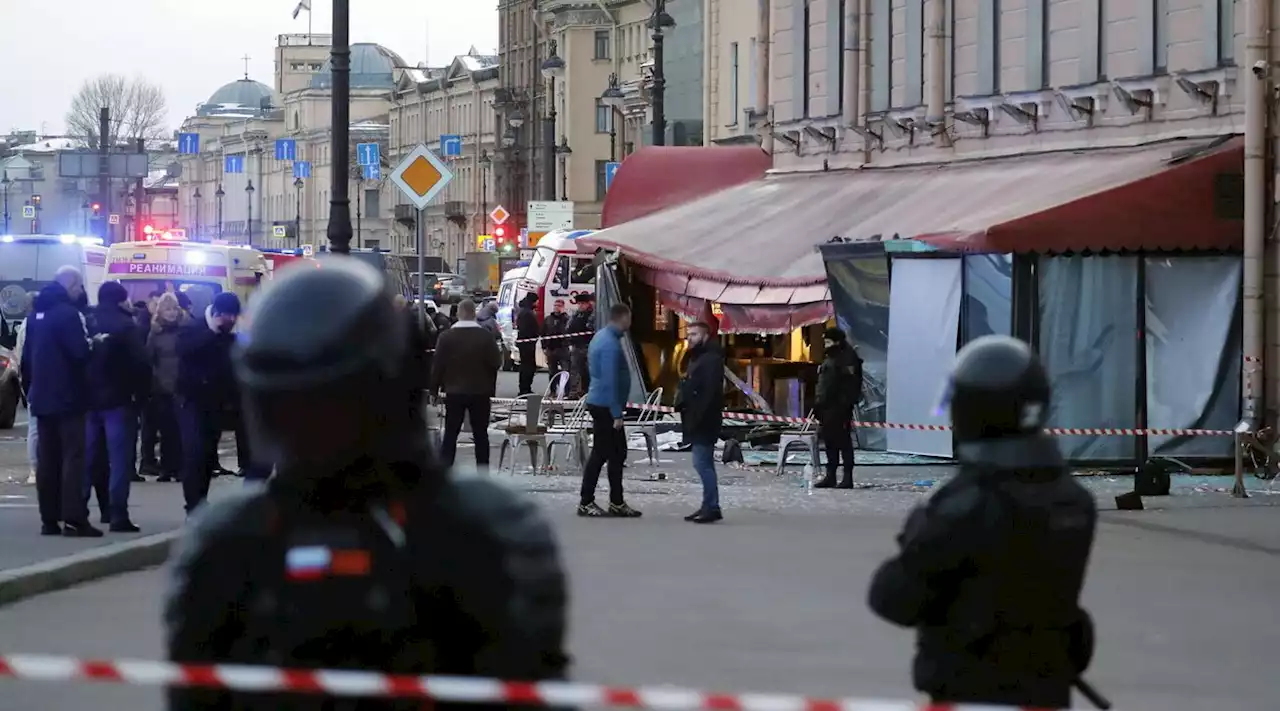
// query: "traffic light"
[[97, 209], [502, 241]]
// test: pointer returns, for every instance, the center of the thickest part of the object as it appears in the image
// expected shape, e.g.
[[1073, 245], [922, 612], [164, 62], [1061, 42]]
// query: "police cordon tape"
[[779, 419], [535, 339], [440, 689]]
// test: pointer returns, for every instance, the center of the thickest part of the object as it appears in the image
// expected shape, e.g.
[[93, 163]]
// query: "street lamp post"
[[339, 230], [4, 183], [248, 193], [613, 98], [564, 151], [197, 197], [297, 213], [485, 161], [552, 68], [515, 121], [218, 195], [660, 20]]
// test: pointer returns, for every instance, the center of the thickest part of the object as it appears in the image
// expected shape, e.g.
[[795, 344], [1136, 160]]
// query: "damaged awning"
[[754, 245]]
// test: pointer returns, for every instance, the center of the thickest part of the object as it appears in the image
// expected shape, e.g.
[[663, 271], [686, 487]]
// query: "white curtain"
[[924, 315], [1193, 351]]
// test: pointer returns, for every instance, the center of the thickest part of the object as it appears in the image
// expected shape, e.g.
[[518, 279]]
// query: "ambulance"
[[556, 273], [200, 270], [28, 263]]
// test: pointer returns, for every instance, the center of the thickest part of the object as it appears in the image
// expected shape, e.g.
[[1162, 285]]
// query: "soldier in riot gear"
[[990, 570], [361, 552]]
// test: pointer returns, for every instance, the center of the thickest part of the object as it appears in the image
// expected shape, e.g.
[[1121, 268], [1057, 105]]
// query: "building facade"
[[430, 104], [732, 87], [245, 118]]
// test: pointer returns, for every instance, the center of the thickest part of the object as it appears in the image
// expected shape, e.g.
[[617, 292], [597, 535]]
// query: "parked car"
[[9, 395], [454, 290]]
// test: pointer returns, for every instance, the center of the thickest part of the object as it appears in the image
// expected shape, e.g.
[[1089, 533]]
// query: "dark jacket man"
[[989, 572], [118, 372], [583, 324], [57, 355], [701, 396], [465, 368], [204, 371], [206, 392], [839, 391], [528, 329], [554, 345]]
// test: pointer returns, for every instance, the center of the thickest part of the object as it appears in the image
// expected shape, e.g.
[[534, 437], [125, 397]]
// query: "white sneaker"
[[31, 479]]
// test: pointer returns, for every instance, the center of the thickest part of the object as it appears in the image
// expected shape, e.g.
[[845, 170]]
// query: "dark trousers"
[[162, 413], [528, 366], [150, 426], [837, 440], [97, 466], [251, 468], [199, 436], [474, 407], [60, 470], [557, 360], [114, 432], [608, 448], [579, 372]]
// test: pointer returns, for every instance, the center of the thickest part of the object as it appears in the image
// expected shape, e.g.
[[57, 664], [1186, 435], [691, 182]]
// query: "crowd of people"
[[121, 391]]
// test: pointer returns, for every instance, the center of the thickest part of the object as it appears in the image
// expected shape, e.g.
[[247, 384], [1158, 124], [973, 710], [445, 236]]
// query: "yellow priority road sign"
[[421, 176]]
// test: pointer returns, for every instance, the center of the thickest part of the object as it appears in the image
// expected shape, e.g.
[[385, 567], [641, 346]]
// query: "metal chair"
[[530, 432], [647, 425], [804, 438], [571, 433], [554, 396]]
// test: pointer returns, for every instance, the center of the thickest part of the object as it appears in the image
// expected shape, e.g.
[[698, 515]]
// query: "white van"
[[29, 262]]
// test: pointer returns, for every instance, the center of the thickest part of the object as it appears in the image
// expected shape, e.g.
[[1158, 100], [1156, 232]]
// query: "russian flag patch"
[[317, 562]]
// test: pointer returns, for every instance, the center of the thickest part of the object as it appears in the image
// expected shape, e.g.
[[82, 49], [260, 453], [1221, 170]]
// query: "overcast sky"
[[192, 47]]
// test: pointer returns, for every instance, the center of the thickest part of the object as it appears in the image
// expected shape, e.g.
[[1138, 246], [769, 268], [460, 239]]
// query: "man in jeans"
[[606, 399], [466, 367], [700, 402]]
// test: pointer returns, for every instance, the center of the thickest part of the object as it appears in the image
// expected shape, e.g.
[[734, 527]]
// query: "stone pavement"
[[773, 600]]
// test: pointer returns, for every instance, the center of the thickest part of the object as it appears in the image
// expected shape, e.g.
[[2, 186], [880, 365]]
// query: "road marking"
[[18, 506]]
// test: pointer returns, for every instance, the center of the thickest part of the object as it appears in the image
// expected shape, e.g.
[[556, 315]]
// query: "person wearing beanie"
[[118, 379], [205, 390], [838, 393]]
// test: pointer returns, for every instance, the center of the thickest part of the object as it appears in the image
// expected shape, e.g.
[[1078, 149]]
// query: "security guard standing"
[[989, 571], [361, 552], [583, 325]]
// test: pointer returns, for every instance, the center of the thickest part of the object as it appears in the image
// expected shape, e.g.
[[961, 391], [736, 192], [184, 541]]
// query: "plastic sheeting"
[[1193, 351], [988, 298], [1088, 342], [923, 324], [860, 292]]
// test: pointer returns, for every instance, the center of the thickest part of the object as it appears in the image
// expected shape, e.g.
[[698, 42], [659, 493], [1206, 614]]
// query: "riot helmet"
[[322, 368], [998, 388]]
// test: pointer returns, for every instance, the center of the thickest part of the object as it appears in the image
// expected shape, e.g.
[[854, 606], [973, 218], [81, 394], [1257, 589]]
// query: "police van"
[[28, 263]]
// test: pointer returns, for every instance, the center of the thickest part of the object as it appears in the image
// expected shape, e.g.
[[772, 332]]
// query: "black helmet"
[[998, 388], [316, 337]]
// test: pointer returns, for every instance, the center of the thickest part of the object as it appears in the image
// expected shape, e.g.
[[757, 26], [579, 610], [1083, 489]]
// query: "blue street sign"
[[368, 154], [451, 144], [286, 149], [233, 164], [189, 143], [302, 169], [610, 170], [371, 172]]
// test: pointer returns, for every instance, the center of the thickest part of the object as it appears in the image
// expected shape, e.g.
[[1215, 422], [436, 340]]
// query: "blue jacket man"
[[205, 390], [54, 362], [606, 400], [118, 379]]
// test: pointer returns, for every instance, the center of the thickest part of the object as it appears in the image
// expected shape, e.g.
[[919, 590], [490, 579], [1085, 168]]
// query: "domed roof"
[[372, 67], [242, 92]]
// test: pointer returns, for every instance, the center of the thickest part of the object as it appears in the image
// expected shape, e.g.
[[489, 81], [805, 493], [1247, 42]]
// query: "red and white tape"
[[779, 419], [441, 689], [535, 339]]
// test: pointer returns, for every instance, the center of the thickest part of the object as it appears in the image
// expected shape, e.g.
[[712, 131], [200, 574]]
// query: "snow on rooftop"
[[476, 62], [51, 145]]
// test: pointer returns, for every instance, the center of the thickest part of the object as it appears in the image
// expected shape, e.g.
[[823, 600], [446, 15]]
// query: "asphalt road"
[[772, 600]]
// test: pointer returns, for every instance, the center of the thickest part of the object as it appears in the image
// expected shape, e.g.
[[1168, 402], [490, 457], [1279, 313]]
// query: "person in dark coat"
[[527, 332], [583, 325], [206, 390], [554, 345], [54, 362], [989, 571], [148, 428], [700, 401], [838, 393], [118, 380], [465, 369], [440, 319], [162, 409]]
